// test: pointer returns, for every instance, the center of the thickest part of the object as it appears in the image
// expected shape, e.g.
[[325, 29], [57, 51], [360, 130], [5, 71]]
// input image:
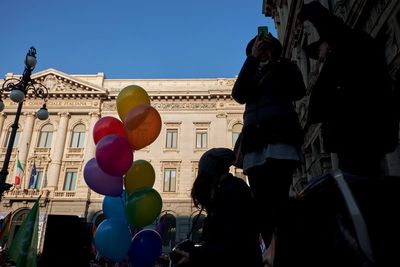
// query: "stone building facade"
[[379, 18], [197, 114]]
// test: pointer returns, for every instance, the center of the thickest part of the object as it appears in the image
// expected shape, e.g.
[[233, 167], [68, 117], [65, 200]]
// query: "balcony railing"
[[64, 194], [42, 150], [34, 193], [25, 193], [75, 152]]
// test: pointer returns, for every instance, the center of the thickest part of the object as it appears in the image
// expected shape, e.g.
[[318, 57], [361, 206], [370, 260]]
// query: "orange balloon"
[[142, 126], [130, 97]]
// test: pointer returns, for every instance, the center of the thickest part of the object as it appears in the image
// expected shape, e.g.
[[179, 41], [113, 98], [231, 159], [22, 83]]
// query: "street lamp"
[[18, 89]]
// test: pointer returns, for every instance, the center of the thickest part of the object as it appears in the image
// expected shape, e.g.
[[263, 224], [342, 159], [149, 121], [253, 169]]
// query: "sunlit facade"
[[197, 114]]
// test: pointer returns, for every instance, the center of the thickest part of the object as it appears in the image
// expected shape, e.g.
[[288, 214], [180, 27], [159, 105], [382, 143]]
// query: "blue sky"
[[130, 38]]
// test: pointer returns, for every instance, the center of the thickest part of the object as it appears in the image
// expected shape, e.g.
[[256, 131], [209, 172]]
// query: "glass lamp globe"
[[1, 105], [30, 61], [42, 113], [17, 96]]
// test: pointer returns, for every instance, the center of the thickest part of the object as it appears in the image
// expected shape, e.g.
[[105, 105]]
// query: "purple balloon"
[[114, 155], [100, 181], [146, 248]]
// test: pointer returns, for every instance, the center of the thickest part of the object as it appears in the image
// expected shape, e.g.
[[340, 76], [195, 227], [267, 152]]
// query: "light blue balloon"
[[113, 239], [114, 207]]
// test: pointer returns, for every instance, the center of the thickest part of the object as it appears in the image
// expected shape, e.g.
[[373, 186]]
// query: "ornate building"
[[379, 18], [197, 114]]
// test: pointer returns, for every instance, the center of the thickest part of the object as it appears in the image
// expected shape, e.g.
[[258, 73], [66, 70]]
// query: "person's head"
[[273, 48], [212, 165], [315, 12], [324, 21]]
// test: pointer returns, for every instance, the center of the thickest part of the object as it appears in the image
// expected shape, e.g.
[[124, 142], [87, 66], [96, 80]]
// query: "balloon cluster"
[[130, 201]]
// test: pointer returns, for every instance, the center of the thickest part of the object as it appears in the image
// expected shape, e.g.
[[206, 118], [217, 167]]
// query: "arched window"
[[17, 219], [167, 228], [78, 136], [16, 140], [46, 134], [236, 129], [99, 219], [197, 227]]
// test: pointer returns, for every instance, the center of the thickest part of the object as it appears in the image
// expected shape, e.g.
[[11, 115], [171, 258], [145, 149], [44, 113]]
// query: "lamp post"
[[18, 89]]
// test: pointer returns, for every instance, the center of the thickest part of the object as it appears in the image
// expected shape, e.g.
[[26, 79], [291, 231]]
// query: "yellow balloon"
[[130, 97], [143, 207], [141, 174]]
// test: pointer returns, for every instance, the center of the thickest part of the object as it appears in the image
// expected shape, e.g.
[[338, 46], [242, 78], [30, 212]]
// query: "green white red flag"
[[19, 173]]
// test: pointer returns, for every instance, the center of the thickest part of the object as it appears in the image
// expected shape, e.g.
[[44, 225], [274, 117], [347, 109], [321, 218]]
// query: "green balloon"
[[143, 207]]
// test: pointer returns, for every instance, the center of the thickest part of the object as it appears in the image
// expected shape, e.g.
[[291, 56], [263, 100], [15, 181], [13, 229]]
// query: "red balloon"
[[107, 125]]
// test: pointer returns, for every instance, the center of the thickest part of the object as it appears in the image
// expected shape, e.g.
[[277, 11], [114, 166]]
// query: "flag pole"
[[24, 246]]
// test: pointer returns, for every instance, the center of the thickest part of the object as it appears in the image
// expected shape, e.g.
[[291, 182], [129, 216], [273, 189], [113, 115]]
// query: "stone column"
[[90, 151], [220, 127], [58, 151], [24, 144], [3, 117], [90, 148]]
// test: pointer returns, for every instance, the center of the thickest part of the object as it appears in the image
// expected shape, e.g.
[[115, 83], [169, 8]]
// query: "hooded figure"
[[269, 85], [229, 237], [352, 94]]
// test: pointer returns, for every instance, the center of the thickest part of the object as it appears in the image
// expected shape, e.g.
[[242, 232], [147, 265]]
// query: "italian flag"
[[19, 173]]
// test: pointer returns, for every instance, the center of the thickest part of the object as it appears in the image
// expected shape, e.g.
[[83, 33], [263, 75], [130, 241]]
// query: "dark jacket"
[[229, 236], [269, 116], [352, 95]]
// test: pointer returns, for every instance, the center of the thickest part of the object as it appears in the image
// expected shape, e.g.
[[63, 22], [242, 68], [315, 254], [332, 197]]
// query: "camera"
[[186, 245], [263, 30]]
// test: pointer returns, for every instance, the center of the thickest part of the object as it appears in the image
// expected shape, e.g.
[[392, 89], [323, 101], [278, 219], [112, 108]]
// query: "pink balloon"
[[101, 182], [114, 155]]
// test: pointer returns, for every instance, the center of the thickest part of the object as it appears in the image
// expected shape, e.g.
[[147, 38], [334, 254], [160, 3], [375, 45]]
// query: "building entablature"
[[62, 86]]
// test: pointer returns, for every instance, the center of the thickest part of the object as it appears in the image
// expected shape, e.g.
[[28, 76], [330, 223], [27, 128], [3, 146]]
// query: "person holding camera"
[[269, 85], [229, 237]]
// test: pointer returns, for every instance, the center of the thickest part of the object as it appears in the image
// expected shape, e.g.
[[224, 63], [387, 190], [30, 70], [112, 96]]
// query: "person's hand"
[[185, 256], [259, 47]]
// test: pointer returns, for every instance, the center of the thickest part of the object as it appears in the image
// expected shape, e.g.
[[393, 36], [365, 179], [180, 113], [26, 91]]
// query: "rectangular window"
[[201, 139], [78, 140], [169, 180], [172, 138], [38, 181], [70, 180]]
